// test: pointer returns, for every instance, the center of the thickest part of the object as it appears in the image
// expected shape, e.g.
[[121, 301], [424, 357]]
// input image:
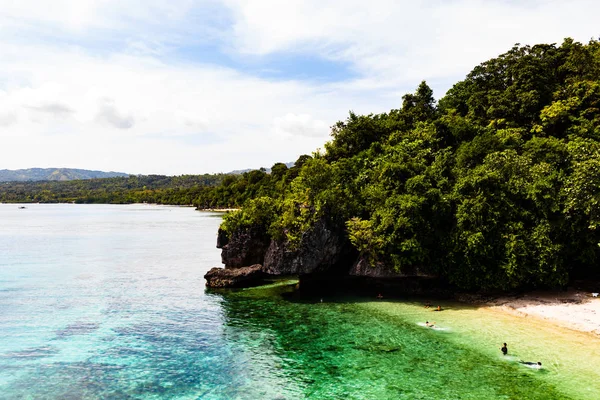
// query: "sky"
[[204, 86]]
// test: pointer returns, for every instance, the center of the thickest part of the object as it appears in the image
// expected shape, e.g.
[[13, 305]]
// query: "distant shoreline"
[[224, 210], [97, 204]]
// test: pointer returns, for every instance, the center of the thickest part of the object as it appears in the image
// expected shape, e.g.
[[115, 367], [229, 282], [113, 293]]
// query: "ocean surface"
[[109, 302]]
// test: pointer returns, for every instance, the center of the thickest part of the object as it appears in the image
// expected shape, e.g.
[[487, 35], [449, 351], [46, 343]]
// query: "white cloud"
[[62, 60], [399, 42], [301, 125], [7, 119], [65, 13], [175, 118], [108, 113], [57, 109]]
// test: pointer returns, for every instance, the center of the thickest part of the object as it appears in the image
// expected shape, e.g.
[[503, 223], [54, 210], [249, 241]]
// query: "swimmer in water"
[[439, 308], [530, 364], [380, 296], [430, 324], [504, 349]]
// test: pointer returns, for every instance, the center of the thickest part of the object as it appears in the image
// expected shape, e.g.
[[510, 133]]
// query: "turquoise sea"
[[108, 302]]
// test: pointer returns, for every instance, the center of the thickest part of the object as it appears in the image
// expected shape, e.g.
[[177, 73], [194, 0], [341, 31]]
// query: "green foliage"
[[497, 187], [178, 190], [364, 238], [203, 191], [310, 196], [506, 216], [257, 213]]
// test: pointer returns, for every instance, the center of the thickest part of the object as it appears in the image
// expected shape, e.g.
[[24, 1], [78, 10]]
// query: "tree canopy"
[[495, 186]]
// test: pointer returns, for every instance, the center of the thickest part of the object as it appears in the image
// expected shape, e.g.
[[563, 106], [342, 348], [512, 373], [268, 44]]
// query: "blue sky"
[[194, 86]]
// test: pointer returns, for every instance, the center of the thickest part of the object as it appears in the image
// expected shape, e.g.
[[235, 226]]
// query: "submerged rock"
[[235, 277]]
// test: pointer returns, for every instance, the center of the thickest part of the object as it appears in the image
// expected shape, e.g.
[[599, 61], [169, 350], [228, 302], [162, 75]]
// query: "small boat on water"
[[22, 207]]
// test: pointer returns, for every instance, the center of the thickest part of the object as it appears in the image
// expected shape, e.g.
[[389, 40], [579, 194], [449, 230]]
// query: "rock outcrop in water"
[[235, 277]]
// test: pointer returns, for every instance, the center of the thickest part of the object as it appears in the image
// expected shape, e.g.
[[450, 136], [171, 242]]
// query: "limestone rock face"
[[321, 251], [324, 255], [235, 277], [363, 268], [243, 248], [222, 239]]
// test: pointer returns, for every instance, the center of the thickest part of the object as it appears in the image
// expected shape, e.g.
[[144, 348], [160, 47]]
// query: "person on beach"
[[504, 349]]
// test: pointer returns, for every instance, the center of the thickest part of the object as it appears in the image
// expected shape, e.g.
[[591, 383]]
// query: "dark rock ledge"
[[235, 277], [324, 260]]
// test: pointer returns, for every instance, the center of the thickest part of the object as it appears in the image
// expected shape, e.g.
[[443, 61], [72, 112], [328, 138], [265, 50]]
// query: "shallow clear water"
[[109, 302]]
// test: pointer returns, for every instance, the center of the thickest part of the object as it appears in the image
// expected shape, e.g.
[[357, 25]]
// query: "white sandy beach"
[[573, 309]]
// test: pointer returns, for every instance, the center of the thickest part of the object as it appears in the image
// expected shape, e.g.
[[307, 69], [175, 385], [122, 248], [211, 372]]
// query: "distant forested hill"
[[53, 174], [204, 191], [181, 190]]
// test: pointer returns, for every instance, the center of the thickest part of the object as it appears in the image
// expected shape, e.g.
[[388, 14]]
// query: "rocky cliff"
[[322, 250], [323, 254], [243, 248], [362, 268]]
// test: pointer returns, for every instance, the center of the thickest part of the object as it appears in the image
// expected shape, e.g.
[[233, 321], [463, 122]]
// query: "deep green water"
[[109, 302]]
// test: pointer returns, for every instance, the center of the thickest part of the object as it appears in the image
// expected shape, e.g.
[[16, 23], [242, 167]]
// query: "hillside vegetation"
[[204, 191], [53, 174], [178, 190], [495, 186]]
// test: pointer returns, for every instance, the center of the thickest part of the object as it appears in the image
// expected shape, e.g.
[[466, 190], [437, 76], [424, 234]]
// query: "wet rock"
[[235, 277]]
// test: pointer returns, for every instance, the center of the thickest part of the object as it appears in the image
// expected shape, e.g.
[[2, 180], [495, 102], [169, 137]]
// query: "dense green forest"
[[181, 190], [496, 185], [203, 191], [236, 190]]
